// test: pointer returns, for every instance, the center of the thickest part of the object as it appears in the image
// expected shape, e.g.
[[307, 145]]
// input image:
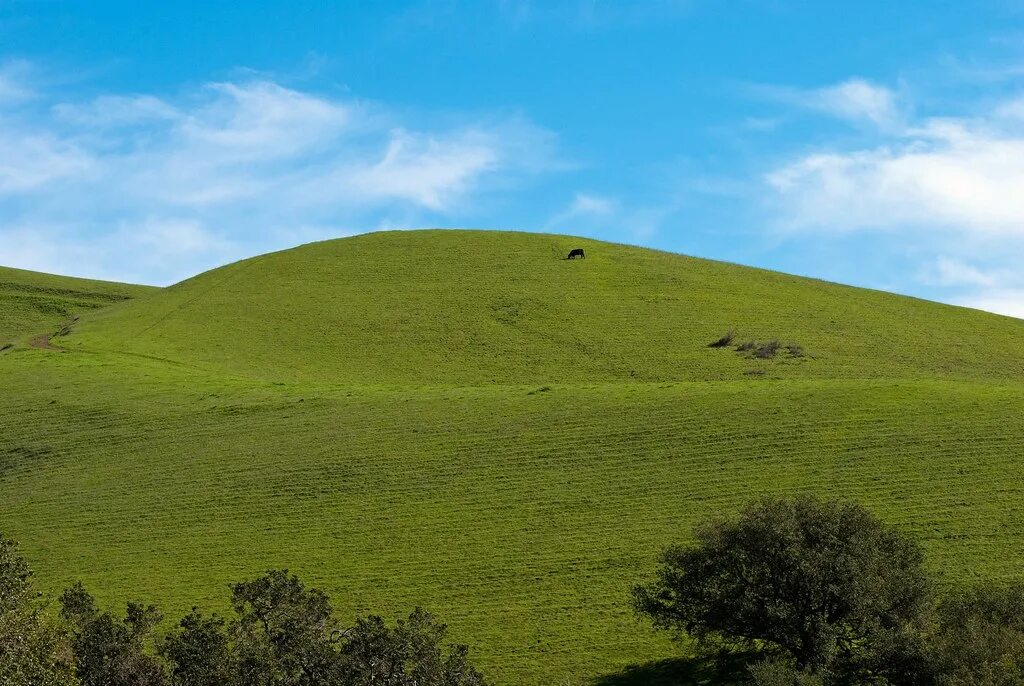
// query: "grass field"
[[33, 304], [464, 421]]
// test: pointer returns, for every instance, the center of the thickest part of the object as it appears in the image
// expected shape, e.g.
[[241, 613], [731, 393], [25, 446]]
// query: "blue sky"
[[879, 144]]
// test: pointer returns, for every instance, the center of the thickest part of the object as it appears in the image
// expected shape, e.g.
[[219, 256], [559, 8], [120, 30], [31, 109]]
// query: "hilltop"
[[481, 307], [465, 421]]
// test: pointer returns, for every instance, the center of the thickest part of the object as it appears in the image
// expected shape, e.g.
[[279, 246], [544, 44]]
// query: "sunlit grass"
[[442, 424]]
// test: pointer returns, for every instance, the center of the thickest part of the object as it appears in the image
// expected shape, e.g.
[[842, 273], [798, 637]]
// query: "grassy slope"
[[237, 434], [466, 308], [34, 303]]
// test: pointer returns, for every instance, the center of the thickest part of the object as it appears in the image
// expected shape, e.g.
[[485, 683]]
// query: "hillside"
[[464, 421], [35, 303], [469, 308]]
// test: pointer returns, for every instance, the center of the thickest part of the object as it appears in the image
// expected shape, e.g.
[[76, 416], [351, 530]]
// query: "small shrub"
[[767, 351], [724, 341]]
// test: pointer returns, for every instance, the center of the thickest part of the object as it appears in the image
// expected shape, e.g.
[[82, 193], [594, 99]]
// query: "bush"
[[767, 351], [108, 651], [822, 581], [979, 639], [198, 653], [762, 351], [283, 634], [30, 646], [724, 341], [795, 350]]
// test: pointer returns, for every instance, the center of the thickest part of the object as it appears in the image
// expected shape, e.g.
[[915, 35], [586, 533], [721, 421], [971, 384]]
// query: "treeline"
[[282, 634], [803, 592]]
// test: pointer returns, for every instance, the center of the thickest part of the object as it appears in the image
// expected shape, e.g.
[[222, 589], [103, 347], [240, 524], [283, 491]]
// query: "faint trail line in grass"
[[231, 274]]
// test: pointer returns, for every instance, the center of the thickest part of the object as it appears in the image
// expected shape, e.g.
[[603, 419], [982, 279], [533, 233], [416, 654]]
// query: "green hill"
[[34, 303], [477, 307], [466, 421]]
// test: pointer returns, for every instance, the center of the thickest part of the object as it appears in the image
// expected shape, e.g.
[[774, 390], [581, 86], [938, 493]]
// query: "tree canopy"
[[822, 581]]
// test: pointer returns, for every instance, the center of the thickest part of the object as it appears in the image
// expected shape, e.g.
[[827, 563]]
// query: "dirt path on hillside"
[[42, 342]]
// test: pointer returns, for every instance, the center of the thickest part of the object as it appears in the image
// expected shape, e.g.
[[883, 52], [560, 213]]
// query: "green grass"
[[463, 421], [34, 303], [470, 308]]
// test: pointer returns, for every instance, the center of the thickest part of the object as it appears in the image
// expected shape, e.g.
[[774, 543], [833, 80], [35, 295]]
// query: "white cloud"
[[116, 110], [589, 204], [584, 205], [948, 271], [31, 160], [261, 120], [174, 236], [638, 222], [947, 185], [1009, 302], [428, 171], [992, 288], [857, 99], [141, 186], [958, 176], [1011, 109]]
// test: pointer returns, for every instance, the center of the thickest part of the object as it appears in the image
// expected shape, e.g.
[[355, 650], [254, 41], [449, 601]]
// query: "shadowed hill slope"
[[35, 303], [478, 307]]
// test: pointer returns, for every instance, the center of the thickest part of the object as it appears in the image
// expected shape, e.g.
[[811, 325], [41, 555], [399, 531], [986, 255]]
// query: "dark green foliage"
[[108, 651], [29, 645], [823, 581], [408, 655], [780, 673], [198, 654], [979, 640], [285, 635], [284, 632]]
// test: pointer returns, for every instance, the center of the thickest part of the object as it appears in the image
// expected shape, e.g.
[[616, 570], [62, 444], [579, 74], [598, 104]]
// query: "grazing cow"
[[576, 252]]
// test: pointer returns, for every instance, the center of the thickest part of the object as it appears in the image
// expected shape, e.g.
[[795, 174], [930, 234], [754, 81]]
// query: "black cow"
[[576, 252]]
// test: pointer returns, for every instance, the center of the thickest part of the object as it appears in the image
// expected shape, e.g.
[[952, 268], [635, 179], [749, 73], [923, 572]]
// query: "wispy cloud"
[[585, 205], [950, 271], [594, 211], [15, 79], [855, 100], [229, 169]]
